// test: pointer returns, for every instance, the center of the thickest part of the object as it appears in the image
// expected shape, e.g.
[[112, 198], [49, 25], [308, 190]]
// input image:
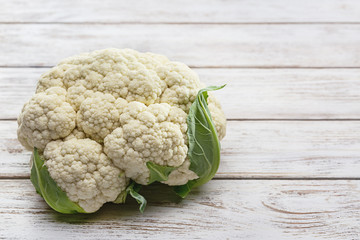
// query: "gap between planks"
[[217, 178], [186, 23], [212, 67]]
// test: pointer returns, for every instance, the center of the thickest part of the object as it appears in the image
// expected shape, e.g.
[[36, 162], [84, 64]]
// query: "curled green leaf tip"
[[133, 189]]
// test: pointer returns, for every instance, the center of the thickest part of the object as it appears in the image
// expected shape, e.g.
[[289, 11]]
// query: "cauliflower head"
[[99, 117]]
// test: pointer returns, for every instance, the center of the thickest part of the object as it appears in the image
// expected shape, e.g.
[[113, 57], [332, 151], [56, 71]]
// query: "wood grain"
[[184, 11], [221, 209], [298, 61], [250, 93], [199, 45], [251, 149]]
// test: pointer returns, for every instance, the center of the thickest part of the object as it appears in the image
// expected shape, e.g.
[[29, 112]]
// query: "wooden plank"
[[251, 149], [222, 209], [250, 93], [230, 11], [16, 88], [199, 45]]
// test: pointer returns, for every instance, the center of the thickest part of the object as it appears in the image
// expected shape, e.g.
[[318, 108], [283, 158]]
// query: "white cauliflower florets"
[[147, 134], [84, 172], [182, 85], [217, 116], [181, 175], [46, 117], [99, 115], [113, 109]]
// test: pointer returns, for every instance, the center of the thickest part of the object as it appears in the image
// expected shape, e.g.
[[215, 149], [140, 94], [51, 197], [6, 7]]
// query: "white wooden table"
[[291, 158]]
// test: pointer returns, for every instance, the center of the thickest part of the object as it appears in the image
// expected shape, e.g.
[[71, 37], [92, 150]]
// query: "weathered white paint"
[[221, 209], [184, 11], [265, 149], [200, 45], [249, 94]]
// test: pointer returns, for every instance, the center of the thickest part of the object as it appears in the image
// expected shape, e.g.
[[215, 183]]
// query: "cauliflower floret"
[[183, 85], [76, 133], [84, 172], [77, 94], [217, 116], [181, 175], [44, 118], [52, 78], [147, 134], [99, 115]]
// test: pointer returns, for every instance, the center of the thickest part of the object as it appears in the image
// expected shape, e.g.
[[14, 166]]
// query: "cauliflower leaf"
[[158, 173], [48, 189], [121, 198], [133, 189], [204, 145]]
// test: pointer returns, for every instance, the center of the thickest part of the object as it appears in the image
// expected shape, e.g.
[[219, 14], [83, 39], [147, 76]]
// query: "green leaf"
[[204, 145], [48, 189], [133, 189], [158, 173], [184, 190], [121, 198], [33, 179]]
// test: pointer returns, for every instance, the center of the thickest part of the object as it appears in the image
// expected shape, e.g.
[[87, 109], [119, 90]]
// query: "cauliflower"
[[98, 119]]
